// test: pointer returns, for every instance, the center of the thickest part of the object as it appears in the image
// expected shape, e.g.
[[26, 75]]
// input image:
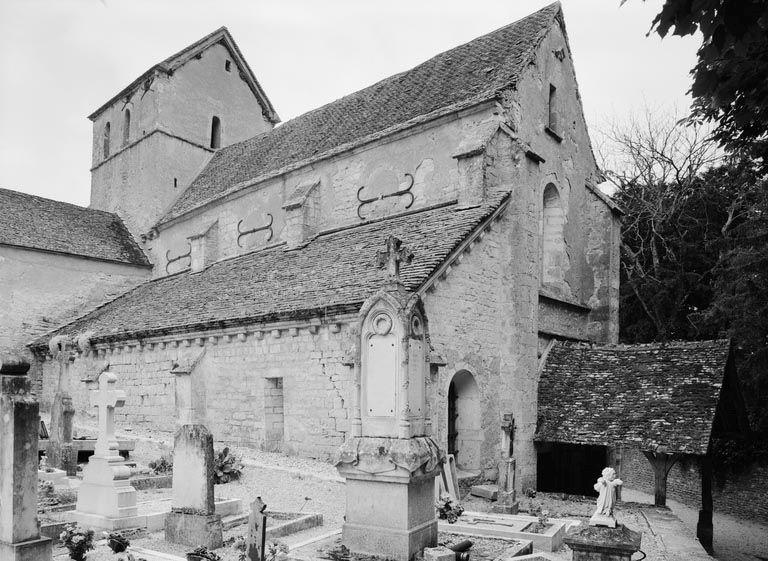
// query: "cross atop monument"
[[106, 398], [392, 257]]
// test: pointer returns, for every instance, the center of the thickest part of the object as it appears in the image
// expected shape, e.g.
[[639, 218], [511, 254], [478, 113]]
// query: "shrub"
[[77, 541], [164, 464], [226, 467]]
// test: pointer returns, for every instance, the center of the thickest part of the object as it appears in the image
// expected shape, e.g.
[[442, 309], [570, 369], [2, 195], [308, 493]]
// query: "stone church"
[[263, 239]]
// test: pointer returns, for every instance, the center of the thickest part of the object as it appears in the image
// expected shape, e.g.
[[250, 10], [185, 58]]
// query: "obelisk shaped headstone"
[[19, 429], [192, 520]]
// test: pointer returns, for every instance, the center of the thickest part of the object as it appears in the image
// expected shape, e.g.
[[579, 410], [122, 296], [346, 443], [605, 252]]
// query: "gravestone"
[[105, 499], [192, 520], [390, 462], [19, 427], [61, 451], [257, 531]]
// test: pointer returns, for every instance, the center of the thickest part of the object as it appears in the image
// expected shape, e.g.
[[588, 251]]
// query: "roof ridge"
[[447, 79], [390, 77], [57, 201]]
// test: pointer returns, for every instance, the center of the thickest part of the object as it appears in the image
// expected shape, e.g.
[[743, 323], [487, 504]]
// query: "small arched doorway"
[[465, 435]]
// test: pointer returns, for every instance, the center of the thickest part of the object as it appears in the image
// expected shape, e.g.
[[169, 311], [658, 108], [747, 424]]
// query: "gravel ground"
[[292, 484], [734, 540]]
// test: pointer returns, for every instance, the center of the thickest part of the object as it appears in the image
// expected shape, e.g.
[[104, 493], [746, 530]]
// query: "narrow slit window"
[[228, 66], [552, 108], [215, 132], [175, 182], [106, 139], [126, 126]]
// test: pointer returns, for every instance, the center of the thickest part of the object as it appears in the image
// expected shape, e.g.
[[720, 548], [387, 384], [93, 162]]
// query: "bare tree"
[[654, 162]]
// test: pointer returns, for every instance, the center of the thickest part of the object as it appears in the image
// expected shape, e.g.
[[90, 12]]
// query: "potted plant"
[[202, 553], [448, 509], [226, 467], [77, 541], [117, 542]]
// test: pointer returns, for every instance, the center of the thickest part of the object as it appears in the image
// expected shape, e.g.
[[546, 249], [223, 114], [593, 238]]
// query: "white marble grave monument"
[[390, 460], [606, 485], [105, 499]]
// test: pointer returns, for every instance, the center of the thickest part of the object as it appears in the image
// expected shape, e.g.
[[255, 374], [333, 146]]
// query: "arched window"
[[215, 132], [106, 139], [126, 125], [554, 257]]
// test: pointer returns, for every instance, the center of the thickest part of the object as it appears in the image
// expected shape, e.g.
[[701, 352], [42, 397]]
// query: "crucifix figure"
[[106, 398], [392, 257]]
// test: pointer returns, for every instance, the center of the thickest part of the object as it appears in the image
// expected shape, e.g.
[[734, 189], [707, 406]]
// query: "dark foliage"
[[729, 88], [695, 266]]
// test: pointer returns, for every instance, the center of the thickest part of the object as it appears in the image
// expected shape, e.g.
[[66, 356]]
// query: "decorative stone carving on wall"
[[171, 260], [265, 227]]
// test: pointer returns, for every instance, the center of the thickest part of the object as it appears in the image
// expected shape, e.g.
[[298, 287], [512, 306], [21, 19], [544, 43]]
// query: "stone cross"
[[106, 398], [257, 531], [392, 257]]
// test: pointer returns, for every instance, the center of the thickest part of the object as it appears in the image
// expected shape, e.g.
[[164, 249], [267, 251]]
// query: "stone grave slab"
[[508, 526], [490, 492], [326, 547]]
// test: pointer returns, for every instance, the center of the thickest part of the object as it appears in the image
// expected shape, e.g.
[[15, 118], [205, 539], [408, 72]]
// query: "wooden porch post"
[[704, 528], [661, 463]]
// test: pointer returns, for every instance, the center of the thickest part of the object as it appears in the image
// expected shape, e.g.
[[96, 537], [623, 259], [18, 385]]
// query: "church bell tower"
[[153, 137]]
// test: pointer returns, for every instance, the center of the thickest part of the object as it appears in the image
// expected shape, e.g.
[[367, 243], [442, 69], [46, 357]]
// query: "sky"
[[61, 59]]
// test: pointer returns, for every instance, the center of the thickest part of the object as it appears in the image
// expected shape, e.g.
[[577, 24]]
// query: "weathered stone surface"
[[439, 553], [19, 429], [257, 528], [194, 529], [593, 543], [490, 492], [193, 469]]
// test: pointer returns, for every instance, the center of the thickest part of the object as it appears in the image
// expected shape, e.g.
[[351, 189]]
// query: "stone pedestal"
[[19, 429], [192, 520], [596, 543], [506, 501], [194, 529], [390, 490]]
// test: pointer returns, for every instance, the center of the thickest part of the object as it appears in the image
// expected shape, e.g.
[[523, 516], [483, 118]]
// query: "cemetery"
[[387, 329], [395, 494]]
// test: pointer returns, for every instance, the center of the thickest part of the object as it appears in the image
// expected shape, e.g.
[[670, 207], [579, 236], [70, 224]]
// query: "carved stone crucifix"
[[392, 257], [106, 398]]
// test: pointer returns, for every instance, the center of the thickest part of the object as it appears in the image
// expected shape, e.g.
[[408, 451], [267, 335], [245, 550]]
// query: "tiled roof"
[[335, 272], [170, 64], [637, 395], [45, 224], [471, 72]]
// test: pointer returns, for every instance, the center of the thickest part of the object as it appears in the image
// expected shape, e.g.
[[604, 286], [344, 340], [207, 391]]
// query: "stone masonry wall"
[[43, 290], [741, 495], [232, 378]]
